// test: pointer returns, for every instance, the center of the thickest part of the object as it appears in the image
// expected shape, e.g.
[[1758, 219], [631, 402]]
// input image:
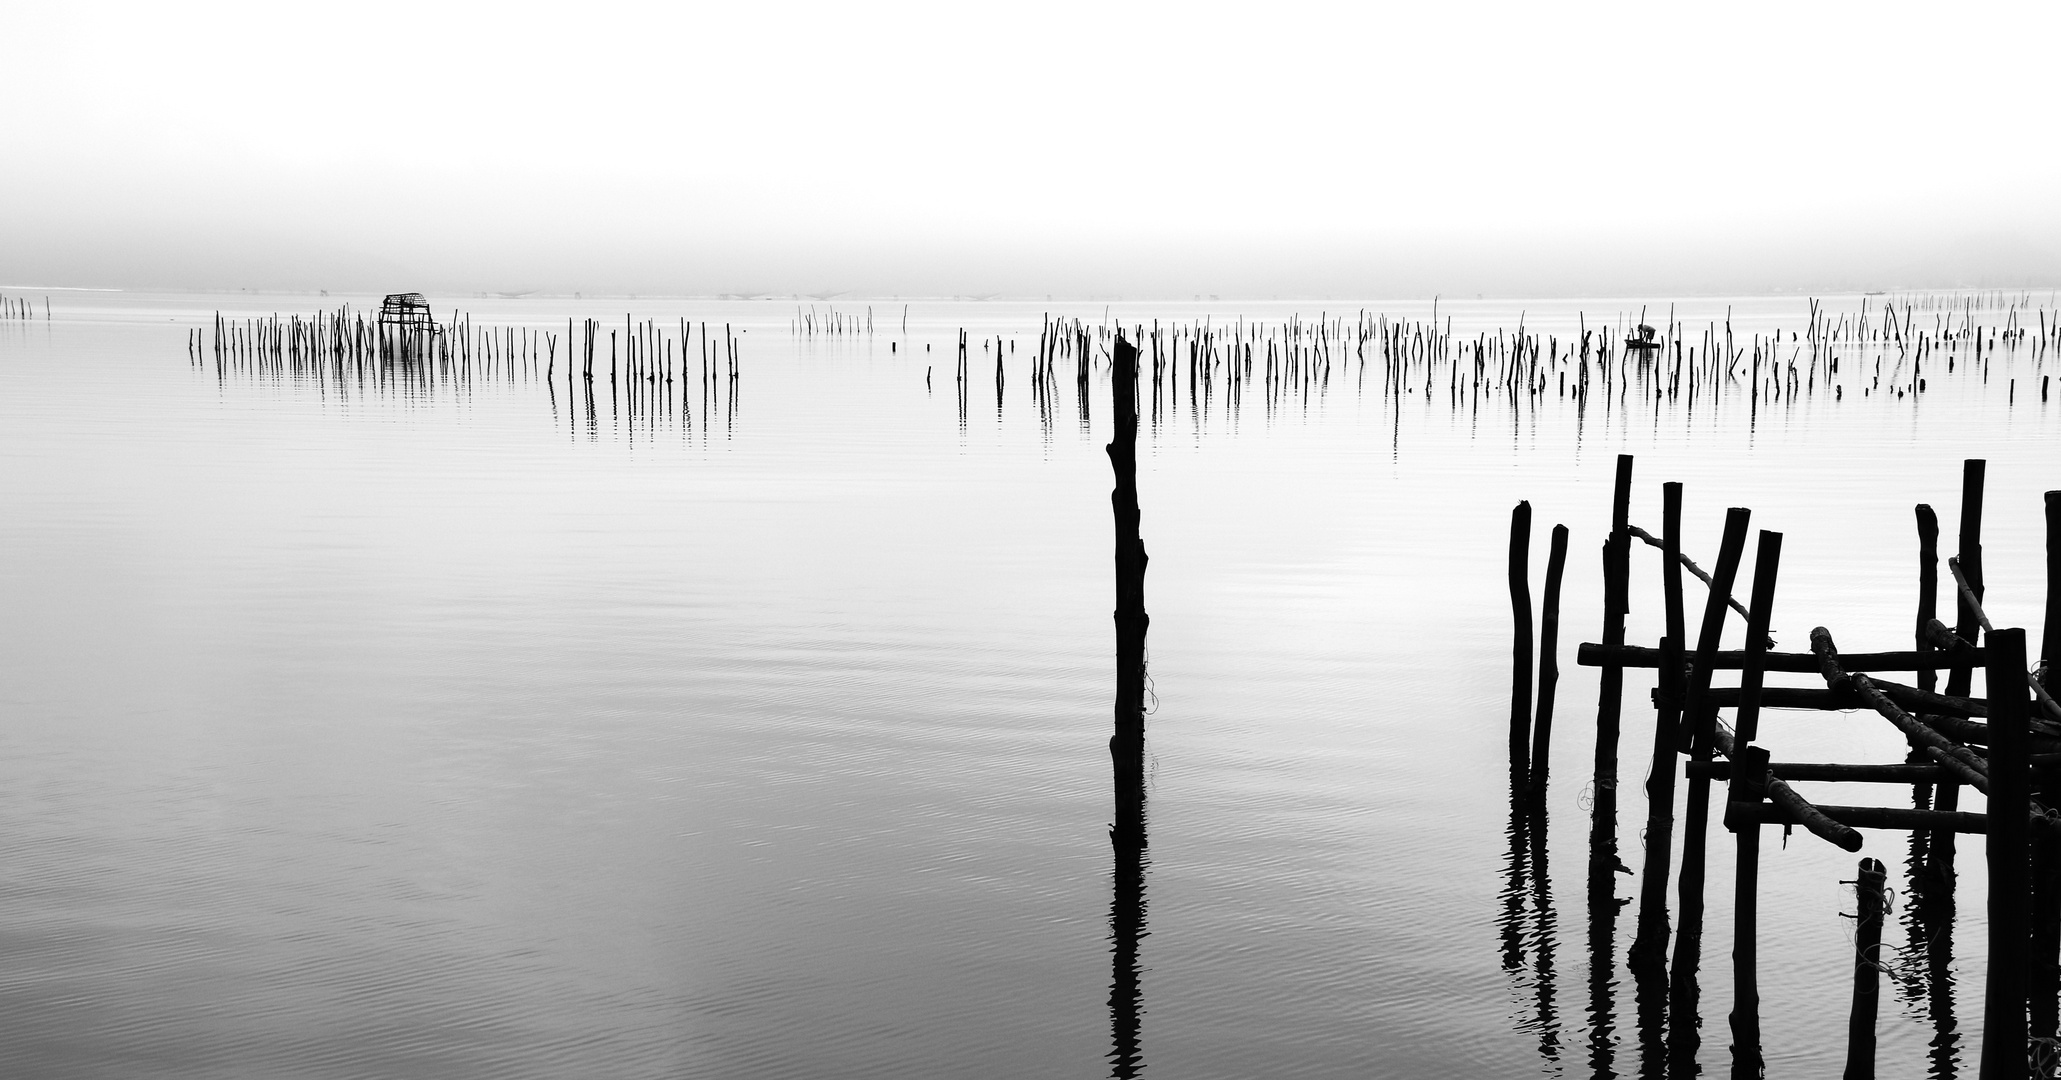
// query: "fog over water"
[[730, 695], [1078, 150]]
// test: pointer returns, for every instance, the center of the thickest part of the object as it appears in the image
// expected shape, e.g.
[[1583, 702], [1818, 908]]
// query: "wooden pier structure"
[[2005, 744]]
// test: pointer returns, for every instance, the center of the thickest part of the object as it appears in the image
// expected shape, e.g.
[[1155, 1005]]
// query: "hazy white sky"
[[1029, 148]]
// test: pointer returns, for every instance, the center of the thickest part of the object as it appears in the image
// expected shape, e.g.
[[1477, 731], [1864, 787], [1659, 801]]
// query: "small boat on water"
[[1644, 342]]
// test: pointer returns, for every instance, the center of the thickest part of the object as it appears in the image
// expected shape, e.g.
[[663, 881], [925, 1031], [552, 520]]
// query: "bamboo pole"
[[2004, 994], [1590, 654], [1610, 689], [1520, 642], [1867, 967], [2050, 634], [2044, 1012], [1749, 784], [1967, 616], [1649, 943], [1683, 1037], [1746, 793], [1549, 666], [1127, 744], [1832, 772]]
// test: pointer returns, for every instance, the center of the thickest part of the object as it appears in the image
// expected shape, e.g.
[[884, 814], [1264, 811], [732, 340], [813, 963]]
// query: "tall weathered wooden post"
[[1742, 815], [2010, 884], [1649, 947], [2043, 1011], [1701, 719], [1520, 644], [1867, 967], [1127, 744]]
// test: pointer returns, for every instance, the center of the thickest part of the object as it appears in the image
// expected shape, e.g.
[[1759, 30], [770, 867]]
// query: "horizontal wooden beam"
[[1591, 654], [1885, 817], [1779, 793], [1831, 772], [1844, 697]]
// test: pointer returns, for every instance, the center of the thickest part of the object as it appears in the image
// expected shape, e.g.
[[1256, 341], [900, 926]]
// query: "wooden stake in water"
[[1742, 814], [1649, 946], [1127, 744], [1748, 789], [2010, 886], [1616, 589], [2044, 1011], [1520, 641], [1549, 665], [1701, 718], [1867, 971]]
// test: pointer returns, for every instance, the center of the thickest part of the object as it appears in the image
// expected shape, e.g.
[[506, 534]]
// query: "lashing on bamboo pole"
[[1869, 891]]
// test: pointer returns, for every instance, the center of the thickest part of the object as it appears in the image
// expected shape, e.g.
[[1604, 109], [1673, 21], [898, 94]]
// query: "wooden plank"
[[1593, 654]]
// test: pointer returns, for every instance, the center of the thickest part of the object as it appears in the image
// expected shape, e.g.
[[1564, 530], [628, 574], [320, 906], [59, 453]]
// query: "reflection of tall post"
[[1127, 744], [1931, 934], [1126, 927], [1546, 929], [1516, 862], [1603, 905]]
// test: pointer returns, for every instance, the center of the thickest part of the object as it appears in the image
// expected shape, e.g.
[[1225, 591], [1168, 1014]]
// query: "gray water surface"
[[378, 733]]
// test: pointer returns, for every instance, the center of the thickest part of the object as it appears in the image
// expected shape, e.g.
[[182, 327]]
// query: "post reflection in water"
[[1928, 918], [1546, 926], [1126, 929], [1649, 992], [1527, 925], [1603, 908], [1511, 922]]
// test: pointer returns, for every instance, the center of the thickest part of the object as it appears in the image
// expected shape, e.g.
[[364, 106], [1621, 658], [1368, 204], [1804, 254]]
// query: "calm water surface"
[[374, 733]]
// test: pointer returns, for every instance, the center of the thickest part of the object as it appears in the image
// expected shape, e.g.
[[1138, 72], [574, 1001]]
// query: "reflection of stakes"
[[1948, 733]]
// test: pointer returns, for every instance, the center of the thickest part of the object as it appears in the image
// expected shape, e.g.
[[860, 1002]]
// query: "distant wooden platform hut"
[[408, 311]]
